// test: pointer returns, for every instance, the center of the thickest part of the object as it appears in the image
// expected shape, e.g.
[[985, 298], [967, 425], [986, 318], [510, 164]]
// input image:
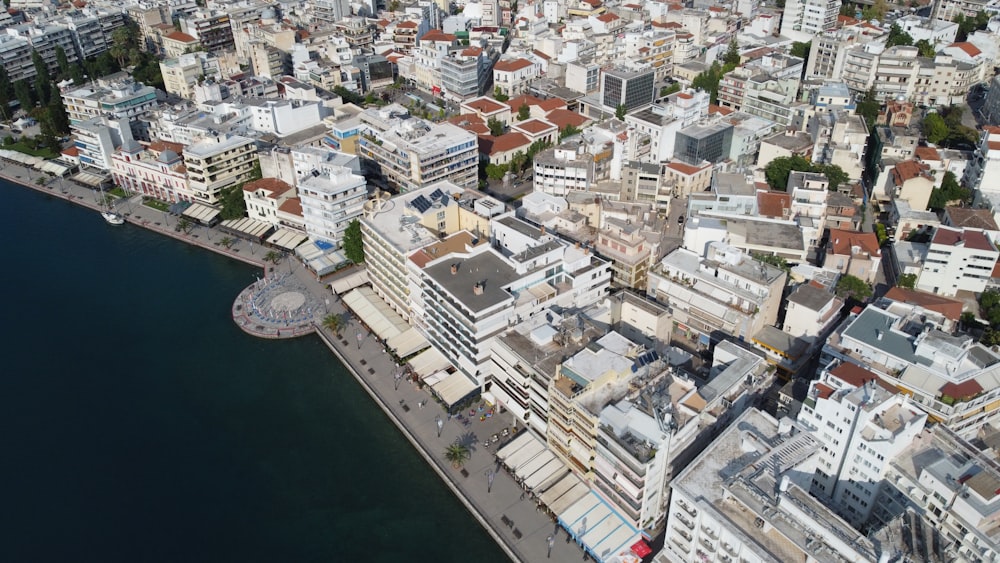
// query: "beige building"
[[630, 253], [218, 162], [177, 43], [181, 74], [688, 179], [853, 253]]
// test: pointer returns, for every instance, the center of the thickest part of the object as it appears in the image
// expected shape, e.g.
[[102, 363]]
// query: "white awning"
[[375, 313], [287, 239], [201, 213], [535, 464], [544, 473], [603, 532], [349, 282], [524, 455], [563, 486], [516, 444], [53, 167], [571, 497], [407, 343], [454, 388], [246, 226], [428, 362]]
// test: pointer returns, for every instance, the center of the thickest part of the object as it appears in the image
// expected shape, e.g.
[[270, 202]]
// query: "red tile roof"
[[503, 143], [552, 104], [486, 105], [564, 117], [438, 35], [962, 391], [472, 51], [71, 151], [608, 18], [969, 218], [535, 126], [712, 108], [971, 239], [908, 170], [181, 37], [421, 258], [856, 376], [841, 242], [927, 153], [516, 102], [512, 65], [992, 129], [541, 54], [969, 48], [408, 24], [275, 186], [773, 204], [950, 308], [687, 168], [292, 206], [684, 96], [470, 122], [824, 390], [159, 146]]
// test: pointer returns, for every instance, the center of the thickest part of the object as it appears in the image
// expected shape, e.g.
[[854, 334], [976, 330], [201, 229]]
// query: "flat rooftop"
[[487, 269]]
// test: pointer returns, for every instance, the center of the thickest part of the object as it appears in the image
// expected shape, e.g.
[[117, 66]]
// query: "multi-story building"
[[513, 76], [212, 29], [700, 143], [215, 163], [117, 97], [15, 55], [98, 138], [330, 11], [563, 169], [46, 40], [957, 260], [853, 253], [951, 377], [943, 490], [724, 293], [624, 244], [431, 49], [157, 172], [417, 153], [466, 73], [811, 312], [804, 19], [629, 87], [92, 34], [181, 74], [862, 428], [331, 199], [746, 498]]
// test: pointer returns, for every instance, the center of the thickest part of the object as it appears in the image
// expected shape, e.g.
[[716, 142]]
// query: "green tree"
[[620, 111], [233, 204], [57, 111], [457, 454], [24, 94], [76, 73], [499, 96], [227, 242], [63, 62], [523, 112], [184, 225], [42, 78], [517, 161], [907, 281], [800, 49], [876, 11], [868, 108], [949, 192], [777, 171], [925, 48], [672, 89], [496, 126], [848, 10], [968, 25], [897, 37], [834, 174], [334, 323], [568, 132], [881, 234], [732, 56], [147, 70], [348, 96], [272, 256], [6, 94], [772, 259], [710, 78], [935, 129], [353, 243], [849, 286], [496, 171], [537, 147]]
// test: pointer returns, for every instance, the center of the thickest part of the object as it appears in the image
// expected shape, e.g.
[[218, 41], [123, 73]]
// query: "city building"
[[957, 260], [632, 88], [513, 76], [331, 199], [853, 253], [117, 97], [157, 172], [812, 311], [218, 162], [804, 19], [417, 153], [97, 139]]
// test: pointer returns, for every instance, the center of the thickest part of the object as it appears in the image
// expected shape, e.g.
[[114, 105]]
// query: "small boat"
[[113, 218]]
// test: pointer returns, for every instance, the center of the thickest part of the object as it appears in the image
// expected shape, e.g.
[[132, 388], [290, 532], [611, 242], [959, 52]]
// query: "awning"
[[536, 463], [544, 473], [558, 490], [202, 213], [603, 532], [287, 239], [53, 167], [244, 227], [407, 343], [320, 256], [20, 157], [349, 282], [524, 455], [454, 388], [516, 444], [641, 548], [375, 313], [428, 362], [577, 492], [88, 179]]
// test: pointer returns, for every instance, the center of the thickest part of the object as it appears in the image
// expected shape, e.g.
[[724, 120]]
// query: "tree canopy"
[[710, 78], [353, 245], [568, 131], [495, 126], [934, 127], [868, 108], [800, 49], [732, 56], [907, 281], [849, 286], [967, 25], [777, 171], [897, 37], [949, 192], [620, 111], [925, 48], [523, 112]]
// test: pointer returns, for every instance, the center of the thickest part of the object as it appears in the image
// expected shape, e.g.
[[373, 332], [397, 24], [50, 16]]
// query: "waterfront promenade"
[[410, 408]]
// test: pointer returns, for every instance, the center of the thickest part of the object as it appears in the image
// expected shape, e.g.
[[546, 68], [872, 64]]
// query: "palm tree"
[[272, 257], [227, 242], [457, 454], [333, 323]]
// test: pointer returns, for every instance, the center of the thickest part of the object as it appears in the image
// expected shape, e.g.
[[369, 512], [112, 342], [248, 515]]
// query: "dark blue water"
[[139, 424]]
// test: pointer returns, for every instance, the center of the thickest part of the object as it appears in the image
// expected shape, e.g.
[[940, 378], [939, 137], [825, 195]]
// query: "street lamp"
[[439, 423], [398, 377], [549, 540], [490, 474], [360, 337]]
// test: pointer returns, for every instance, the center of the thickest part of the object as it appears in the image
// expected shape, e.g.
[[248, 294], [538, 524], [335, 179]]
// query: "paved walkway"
[[280, 306], [414, 411]]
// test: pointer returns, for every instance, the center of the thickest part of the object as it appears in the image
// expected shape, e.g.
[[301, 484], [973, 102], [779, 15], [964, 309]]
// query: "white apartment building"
[[725, 293], [392, 231], [804, 19], [563, 169], [951, 377], [218, 162], [862, 428], [98, 138], [330, 201], [811, 312], [161, 176], [417, 153], [958, 260], [985, 164], [15, 54], [746, 498], [469, 297], [118, 97], [282, 117], [946, 489], [265, 197]]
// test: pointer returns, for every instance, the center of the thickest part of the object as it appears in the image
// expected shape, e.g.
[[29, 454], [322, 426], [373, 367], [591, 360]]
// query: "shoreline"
[[490, 517]]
